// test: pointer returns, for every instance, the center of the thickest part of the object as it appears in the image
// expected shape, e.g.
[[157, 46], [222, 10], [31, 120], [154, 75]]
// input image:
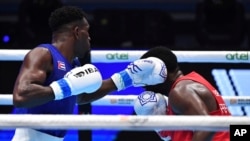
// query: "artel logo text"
[[237, 56], [118, 56]]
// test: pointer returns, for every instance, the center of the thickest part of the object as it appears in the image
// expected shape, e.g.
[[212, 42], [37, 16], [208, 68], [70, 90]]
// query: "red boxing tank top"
[[222, 110]]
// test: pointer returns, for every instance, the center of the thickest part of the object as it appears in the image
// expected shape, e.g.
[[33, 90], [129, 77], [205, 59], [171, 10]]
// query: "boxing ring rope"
[[130, 122], [128, 100], [121, 122], [111, 56]]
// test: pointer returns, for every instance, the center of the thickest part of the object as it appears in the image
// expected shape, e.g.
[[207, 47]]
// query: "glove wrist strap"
[[122, 80], [61, 89]]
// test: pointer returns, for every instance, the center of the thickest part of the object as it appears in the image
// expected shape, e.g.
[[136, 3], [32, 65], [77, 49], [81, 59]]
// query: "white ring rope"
[[128, 100], [121, 122], [111, 56], [130, 122]]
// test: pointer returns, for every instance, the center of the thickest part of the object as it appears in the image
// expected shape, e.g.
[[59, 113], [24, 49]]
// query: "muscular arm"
[[185, 100], [150, 67], [28, 89], [107, 87]]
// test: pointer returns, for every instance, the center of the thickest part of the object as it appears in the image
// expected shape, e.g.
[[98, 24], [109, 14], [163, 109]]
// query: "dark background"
[[126, 24]]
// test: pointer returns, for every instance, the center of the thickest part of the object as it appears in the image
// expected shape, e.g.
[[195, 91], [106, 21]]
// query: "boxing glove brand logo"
[[133, 68], [148, 61], [147, 97], [86, 72], [163, 72]]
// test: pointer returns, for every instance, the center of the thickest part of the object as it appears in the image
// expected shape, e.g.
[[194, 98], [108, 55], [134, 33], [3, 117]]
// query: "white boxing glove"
[[142, 72], [150, 103], [84, 79]]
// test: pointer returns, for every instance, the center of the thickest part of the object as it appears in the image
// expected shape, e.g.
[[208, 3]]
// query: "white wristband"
[[57, 90], [117, 79], [122, 80]]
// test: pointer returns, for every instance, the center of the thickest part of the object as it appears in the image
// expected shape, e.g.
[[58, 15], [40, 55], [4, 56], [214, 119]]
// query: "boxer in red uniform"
[[189, 94]]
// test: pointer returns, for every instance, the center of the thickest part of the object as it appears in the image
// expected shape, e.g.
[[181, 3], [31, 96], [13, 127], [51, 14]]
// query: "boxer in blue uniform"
[[51, 79]]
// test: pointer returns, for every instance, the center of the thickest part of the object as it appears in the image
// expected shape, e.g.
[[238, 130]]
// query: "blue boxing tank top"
[[65, 106]]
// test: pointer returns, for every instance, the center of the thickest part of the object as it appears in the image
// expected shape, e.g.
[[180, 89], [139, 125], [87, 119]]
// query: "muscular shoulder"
[[187, 95], [182, 88], [39, 57], [187, 87]]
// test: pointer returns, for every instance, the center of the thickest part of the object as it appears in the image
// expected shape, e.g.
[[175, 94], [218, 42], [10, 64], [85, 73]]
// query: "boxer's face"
[[83, 41]]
